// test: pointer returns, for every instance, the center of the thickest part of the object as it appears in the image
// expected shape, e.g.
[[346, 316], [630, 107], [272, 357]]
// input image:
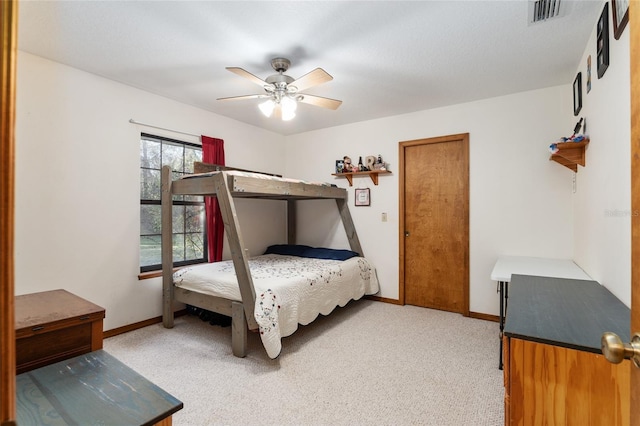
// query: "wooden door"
[[634, 24], [8, 33], [434, 223]]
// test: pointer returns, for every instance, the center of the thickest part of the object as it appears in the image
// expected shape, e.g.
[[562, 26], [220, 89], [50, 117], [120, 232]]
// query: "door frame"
[[464, 137], [634, 52], [8, 51]]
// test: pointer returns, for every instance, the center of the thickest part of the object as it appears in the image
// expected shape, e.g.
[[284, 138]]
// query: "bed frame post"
[[291, 221], [239, 254], [349, 227], [238, 330], [167, 249]]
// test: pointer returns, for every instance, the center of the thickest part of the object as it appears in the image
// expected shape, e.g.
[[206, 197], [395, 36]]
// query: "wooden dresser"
[[55, 325], [554, 372]]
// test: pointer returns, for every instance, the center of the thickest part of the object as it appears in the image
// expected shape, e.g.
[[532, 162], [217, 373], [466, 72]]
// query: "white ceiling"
[[386, 57]]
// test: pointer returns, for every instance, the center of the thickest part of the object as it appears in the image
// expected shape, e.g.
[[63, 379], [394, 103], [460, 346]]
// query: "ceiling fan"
[[283, 92]]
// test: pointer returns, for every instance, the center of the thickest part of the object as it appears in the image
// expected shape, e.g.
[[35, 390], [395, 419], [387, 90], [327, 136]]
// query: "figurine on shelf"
[[576, 129], [370, 160], [573, 138], [379, 164], [347, 166], [576, 136]]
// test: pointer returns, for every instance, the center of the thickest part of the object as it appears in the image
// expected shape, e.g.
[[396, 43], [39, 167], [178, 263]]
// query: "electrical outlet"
[[384, 217]]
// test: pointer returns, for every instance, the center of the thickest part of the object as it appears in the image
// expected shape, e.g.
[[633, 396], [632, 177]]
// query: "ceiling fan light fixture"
[[267, 107], [287, 115], [288, 108], [289, 104]]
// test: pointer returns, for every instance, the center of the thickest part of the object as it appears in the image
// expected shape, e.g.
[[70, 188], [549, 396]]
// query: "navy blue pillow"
[[312, 252], [287, 249], [327, 253]]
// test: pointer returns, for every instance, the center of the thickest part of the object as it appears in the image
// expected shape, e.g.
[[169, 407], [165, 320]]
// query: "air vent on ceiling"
[[541, 10]]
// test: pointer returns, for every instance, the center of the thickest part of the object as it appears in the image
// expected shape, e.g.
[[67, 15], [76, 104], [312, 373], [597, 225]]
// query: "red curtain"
[[213, 152]]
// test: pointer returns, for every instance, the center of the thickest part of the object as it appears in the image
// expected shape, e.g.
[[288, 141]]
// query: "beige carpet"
[[369, 363]]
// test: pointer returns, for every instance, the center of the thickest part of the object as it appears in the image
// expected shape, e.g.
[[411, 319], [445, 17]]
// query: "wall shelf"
[[570, 154], [373, 174]]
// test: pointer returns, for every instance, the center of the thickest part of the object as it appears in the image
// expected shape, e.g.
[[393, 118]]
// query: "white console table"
[[536, 266]]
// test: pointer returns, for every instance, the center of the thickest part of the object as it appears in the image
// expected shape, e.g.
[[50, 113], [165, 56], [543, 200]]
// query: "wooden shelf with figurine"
[[374, 167], [571, 151]]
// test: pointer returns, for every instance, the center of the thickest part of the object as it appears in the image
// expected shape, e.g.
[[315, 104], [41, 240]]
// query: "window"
[[189, 229]]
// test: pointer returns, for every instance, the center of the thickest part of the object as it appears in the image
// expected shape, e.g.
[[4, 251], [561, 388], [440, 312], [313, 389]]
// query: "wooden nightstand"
[[55, 325]]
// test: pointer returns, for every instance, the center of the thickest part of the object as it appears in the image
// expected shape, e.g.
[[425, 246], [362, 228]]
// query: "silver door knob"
[[615, 350]]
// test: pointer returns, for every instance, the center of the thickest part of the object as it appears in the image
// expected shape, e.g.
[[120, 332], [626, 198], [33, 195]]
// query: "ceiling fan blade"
[[239, 98], [313, 78], [246, 74], [320, 101]]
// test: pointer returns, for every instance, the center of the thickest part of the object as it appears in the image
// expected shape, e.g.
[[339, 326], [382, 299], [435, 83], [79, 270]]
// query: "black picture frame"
[[588, 73], [620, 10], [602, 42], [577, 94], [362, 197]]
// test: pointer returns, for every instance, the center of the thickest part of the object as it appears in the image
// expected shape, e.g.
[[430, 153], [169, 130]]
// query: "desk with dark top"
[[93, 388], [562, 312], [505, 266], [554, 371]]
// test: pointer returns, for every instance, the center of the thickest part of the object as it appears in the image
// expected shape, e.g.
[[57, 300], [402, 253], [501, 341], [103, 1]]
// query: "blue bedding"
[[311, 252]]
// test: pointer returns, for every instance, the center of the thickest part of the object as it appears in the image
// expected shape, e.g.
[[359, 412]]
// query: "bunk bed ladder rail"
[[349, 227], [239, 254]]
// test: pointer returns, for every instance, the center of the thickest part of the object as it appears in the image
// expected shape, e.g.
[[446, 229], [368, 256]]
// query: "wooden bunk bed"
[[226, 184]]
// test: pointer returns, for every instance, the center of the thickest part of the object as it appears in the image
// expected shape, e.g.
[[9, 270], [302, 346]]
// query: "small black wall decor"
[[577, 94], [602, 41], [588, 73]]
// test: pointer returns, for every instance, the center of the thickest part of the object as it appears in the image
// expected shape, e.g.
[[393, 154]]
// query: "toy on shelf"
[[576, 137], [347, 166], [379, 164], [370, 164]]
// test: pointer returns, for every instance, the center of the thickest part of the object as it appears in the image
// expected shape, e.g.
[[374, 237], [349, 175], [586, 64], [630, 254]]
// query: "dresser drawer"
[[46, 348]]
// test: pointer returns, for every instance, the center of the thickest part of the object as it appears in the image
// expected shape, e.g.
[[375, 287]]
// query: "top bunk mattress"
[[257, 185], [257, 175]]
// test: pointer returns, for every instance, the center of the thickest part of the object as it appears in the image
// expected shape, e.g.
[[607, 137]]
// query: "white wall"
[[77, 184], [520, 202], [602, 222], [77, 205]]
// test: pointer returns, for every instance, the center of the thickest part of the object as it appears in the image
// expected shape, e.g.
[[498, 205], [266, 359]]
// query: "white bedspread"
[[289, 290]]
